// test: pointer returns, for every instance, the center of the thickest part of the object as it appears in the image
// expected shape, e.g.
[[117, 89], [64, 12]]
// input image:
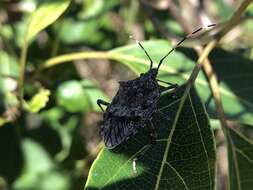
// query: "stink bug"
[[135, 103]]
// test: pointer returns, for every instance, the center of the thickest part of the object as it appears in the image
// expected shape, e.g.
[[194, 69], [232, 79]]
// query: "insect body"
[[134, 105], [131, 108]]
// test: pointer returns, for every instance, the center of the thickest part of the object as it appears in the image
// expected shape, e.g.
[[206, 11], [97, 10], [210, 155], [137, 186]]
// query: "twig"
[[214, 86], [205, 62], [199, 64], [206, 66], [235, 19]]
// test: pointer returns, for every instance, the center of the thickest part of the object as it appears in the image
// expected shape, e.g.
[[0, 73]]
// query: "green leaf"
[[93, 93], [3, 121], [65, 132], [240, 160], [235, 89], [39, 170], [223, 9], [8, 72], [38, 101], [234, 74], [81, 30], [92, 9], [182, 158], [45, 15], [72, 97]]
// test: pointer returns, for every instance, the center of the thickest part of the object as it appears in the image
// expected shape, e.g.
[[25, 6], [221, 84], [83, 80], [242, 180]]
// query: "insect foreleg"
[[102, 102], [171, 85]]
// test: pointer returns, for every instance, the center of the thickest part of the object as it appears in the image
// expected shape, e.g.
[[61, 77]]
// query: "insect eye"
[[141, 74]]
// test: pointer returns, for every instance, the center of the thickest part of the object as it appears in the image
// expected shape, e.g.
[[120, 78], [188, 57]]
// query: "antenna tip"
[[211, 25], [131, 37]]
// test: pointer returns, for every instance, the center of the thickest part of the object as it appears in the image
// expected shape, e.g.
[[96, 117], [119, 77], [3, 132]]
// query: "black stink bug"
[[135, 103]]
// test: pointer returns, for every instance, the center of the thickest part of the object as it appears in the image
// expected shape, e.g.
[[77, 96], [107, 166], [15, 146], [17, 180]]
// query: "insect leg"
[[171, 85], [102, 102], [139, 43]]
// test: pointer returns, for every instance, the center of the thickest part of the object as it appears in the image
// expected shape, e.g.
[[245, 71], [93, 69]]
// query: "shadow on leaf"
[[182, 158]]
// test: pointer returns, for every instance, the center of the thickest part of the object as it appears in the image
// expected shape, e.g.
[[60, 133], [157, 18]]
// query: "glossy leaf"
[[93, 93], [45, 15], [235, 88], [182, 158], [240, 157], [72, 97]]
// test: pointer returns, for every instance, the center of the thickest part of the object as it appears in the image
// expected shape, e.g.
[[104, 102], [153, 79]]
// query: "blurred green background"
[[54, 148]]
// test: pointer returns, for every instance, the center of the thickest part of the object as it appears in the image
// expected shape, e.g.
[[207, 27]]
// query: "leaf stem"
[[22, 61], [73, 57]]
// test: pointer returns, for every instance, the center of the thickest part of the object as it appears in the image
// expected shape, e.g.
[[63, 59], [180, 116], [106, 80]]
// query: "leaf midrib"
[[164, 161]]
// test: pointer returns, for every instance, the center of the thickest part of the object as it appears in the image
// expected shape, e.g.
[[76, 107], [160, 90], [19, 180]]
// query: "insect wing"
[[117, 130]]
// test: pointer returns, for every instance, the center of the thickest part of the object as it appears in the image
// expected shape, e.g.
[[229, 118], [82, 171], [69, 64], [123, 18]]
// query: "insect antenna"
[[139, 43], [181, 41]]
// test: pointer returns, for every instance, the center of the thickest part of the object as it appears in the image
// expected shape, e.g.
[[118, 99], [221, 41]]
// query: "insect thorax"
[[137, 97]]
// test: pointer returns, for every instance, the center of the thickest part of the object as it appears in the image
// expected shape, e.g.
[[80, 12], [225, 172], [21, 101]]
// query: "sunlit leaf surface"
[[45, 15], [182, 158], [38, 101]]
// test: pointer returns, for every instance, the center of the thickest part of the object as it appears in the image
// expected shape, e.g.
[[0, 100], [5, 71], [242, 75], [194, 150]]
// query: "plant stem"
[[233, 21], [22, 70], [236, 17], [73, 57], [198, 66], [214, 86]]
